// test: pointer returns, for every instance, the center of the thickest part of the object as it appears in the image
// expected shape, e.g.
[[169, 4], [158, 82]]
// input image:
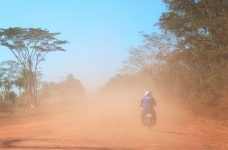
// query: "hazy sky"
[[99, 32]]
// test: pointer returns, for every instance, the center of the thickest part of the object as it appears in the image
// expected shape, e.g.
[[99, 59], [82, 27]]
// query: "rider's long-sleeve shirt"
[[147, 102]]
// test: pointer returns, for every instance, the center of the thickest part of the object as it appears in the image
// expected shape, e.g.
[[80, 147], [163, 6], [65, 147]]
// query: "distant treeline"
[[14, 94]]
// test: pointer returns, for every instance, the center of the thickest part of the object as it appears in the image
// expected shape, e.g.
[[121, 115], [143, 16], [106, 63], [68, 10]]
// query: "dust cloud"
[[111, 116], [109, 119]]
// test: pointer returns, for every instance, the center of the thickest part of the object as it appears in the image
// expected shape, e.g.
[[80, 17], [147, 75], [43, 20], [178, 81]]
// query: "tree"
[[72, 86], [20, 82], [66, 90], [30, 47], [149, 57], [201, 28], [9, 73]]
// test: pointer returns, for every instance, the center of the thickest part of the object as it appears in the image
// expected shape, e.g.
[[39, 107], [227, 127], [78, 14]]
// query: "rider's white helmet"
[[147, 93]]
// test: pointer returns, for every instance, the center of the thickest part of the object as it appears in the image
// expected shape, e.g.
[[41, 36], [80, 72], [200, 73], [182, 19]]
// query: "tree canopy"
[[30, 46]]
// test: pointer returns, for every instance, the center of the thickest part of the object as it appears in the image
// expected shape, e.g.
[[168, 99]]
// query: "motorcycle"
[[149, 118]]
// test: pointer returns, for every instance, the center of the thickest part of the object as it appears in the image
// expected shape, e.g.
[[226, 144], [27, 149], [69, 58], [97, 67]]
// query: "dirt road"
[[96, 126]]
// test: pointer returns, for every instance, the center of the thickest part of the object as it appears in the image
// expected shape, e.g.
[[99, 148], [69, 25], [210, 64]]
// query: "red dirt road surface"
[[109, 126]]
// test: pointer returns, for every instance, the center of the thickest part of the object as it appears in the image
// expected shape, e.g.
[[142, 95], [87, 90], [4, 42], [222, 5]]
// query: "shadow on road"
[[50, 144], [170, 132]]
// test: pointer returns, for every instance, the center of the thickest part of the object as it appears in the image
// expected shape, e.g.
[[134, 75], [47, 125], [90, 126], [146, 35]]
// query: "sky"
[[99, 32]]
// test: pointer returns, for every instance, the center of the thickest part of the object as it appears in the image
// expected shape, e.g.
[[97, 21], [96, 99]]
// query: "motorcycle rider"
[[147, 103]]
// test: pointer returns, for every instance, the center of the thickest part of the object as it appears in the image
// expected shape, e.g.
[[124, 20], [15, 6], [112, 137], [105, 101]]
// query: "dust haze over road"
[[111, 121]]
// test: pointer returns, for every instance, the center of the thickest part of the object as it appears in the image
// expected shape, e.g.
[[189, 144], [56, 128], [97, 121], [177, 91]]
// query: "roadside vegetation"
[[188, 61]]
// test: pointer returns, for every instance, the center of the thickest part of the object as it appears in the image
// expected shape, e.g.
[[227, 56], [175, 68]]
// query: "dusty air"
[[114, 75]]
